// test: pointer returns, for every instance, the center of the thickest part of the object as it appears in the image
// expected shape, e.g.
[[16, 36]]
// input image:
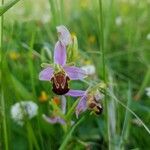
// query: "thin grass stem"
[[126, 120], [101, 47], [4, 125], [132, 112], [143, 85]]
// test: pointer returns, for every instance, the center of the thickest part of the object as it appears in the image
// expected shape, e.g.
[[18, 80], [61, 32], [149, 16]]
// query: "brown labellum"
[[94, 105], [60, 83], [98, 109]]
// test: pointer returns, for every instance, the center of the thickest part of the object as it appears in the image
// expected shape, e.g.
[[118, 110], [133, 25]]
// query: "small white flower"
[[147, 91], [148, 36], [118, 21], [22, 110], [89, 69]]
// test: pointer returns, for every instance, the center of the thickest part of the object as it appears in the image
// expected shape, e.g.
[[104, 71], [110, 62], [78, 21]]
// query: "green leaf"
[[69, 134], [19, 87], [72, 110], [7, 6]]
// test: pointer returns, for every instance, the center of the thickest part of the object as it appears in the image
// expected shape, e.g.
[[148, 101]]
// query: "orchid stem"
[[68, 136]]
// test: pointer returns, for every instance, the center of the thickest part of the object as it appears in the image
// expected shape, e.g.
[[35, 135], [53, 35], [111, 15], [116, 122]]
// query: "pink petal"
[[75, 73], [75, 93], [82, 106], [53, 120], [60, 54], [64, 35], [46, 74]]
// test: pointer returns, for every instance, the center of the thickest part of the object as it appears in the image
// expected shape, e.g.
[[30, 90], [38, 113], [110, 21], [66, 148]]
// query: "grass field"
[[114, 37]]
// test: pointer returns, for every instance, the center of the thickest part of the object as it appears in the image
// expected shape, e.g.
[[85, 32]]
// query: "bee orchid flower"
[[88, 100], [60, 73]]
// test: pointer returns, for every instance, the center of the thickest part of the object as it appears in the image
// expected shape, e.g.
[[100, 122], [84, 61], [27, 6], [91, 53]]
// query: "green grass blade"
[[4, 122], [143, 85], [112, 119], [2, 100], [7, 6], [126, 120], [72, 110], [20, 88], [33, 136], [101, 47], [132, 112]]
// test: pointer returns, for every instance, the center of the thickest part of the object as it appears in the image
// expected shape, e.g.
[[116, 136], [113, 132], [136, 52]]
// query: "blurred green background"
[[30, 27]]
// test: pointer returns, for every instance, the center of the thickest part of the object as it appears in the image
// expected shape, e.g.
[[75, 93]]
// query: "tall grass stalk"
[[32, 137], [32, 75], [57, 10], [31, 67], [53, 11], [112, 110], [101, 47], [144, 84], [132, 112], [3, 112], [126, 120]]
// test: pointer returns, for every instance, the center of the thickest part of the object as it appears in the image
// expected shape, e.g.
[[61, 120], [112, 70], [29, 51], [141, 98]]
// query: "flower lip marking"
[[98, 109], [60, 83], [94, 105]]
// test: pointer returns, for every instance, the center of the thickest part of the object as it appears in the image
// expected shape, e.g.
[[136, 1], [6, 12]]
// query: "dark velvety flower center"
[[60, 83]]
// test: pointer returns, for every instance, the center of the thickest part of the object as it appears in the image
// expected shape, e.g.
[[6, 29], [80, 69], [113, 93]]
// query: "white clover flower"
[[89, 69], [22, 110], [118, 21], [148, 36], [147, 91]]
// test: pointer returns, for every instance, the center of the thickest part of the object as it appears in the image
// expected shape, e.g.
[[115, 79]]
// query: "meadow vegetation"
[[114, 37]]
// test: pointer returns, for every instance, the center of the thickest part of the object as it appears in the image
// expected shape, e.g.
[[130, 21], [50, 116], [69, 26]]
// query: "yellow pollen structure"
[[56, 100], [43, 97]]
